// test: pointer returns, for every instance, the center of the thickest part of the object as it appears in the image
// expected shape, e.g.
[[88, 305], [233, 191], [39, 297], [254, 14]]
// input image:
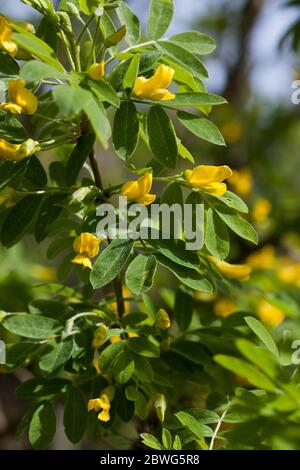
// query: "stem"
[[211, 446], [137, 46], [95, 169], [85, 29], [69, 55], [119, 295]]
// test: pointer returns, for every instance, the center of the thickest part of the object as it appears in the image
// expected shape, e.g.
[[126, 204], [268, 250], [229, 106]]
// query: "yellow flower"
[[17, 152], [208, 178], [96, 71], [22, 100], [263, 258], [99, 336], [86, 246], [117, 339], [160, 406], [233, 271], [43, 273], [232, 131], [288, 271], [102, 403], [225, 307], [269, 314], [6, 42], [138, 190], [155, 88], [163, 320], [242, 181], [261, 210]]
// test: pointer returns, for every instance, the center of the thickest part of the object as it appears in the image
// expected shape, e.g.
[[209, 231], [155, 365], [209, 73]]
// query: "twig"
[[211, 446]]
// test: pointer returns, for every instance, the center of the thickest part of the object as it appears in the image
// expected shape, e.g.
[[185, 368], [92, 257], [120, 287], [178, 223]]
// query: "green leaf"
[[71, 100], [190, 423], [195, 99], [183, 57], [35, 70], [233, 201], [143, 347], [131, 73], [167, 439], [162, 137], [115, 37], [35, 173], [126, 130], [89, 6], [47, 33], [104, 92], [175, 250], [75, 415], [262, 333], [192, 351], [151, 441], [140, 274], [42, 426], [8, 65], [183, 310], [201, 127], [55, 355], [160, 17], [246, 370], [216, 235], [188, 277], [123, 367], [97, 115], [12, 173], [177, 443], [78, 157], [36, 47], [49, 211], [143, 369], [109, 354], [110, 262], [237, 224], [195, 42], [31, 326], [42, 388], [133, 28], [18, 219], [18, 353], [131, 393]]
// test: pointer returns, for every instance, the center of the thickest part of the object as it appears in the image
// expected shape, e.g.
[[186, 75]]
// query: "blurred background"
[[253, 67]]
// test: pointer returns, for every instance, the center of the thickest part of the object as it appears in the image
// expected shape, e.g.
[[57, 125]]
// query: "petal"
[[12, 108], [161, 79], [205, 174], [145, 183], [131, 190], [215, 189], [146, 199], [104, 416]]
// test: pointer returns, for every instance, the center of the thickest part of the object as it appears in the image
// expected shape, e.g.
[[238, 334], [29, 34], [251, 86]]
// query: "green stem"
[[68, 52], [85, 29]]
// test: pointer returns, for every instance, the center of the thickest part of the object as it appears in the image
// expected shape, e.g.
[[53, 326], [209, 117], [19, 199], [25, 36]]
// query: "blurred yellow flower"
[[163, 320], [261, 210], [6, 42], [155, 88], [242, 181], [232, 131], [97, 71], [7, 196], [263, 258], [233, 271], [288, 271], [99, 336], [269, 314], [86, 246], [102, 403], [138, 190], [22, 100], [225, 307], [208, 178], [43, 273], [117, 339], [17, 152]]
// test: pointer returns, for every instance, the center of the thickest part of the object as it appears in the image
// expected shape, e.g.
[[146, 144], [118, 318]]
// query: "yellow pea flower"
[[138, 190], [242, 181], [21, 99], [225, 307], [163, 320], [261, 210], [97, 71], [86, 246], [155, 88], [99, 336], [263, 258], [270, 314], [160, 406], [6, 42], [17, 152], [117, 339], [233, 271], [288, 270], [102, 403], [209, 178]]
